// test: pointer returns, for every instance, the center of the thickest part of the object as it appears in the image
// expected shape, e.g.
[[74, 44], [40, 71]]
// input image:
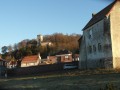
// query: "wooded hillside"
[[29, 47]]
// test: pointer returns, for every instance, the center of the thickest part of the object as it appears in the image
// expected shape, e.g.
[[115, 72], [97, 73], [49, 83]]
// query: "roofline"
[[114, 2], [92, 24], [112, 7], [63, 54]]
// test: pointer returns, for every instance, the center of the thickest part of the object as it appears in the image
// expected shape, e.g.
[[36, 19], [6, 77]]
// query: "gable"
[[100, 15]]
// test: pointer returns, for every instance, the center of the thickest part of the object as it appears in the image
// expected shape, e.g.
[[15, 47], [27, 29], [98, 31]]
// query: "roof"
[[100, 15], [27, 59], [51, 57], [64, 51]]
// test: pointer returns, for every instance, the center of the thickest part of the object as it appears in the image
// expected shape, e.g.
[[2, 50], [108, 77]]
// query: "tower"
[[39, 39]]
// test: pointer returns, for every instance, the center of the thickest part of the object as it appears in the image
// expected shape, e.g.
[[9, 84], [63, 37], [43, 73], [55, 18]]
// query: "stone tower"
[[39, 39]]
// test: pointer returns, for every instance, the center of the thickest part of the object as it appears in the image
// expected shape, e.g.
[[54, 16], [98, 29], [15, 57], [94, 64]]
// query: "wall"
[[66, 58], [2, 70], [107, 46], [96, 38], [82, 54], [2, 67], [37, 69], [115, 34], [51, 59], [27, 64]]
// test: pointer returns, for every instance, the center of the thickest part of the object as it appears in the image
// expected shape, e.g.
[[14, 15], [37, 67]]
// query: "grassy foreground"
[[65, 80]]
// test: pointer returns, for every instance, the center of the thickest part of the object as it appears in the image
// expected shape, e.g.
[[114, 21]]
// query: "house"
[[33, 60], [2, 67], [11, 64], [99, 45], [60, 57], [64, 56], [51, 60], [76, 57]]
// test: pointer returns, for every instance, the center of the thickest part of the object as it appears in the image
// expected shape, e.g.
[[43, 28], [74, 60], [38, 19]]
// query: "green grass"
[[66, 80]]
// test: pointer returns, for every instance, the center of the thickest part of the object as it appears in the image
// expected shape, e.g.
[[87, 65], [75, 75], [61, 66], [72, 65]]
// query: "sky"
[[25, 19]]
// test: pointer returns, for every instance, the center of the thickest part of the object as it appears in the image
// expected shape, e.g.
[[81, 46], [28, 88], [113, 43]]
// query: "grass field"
[[65, 80]]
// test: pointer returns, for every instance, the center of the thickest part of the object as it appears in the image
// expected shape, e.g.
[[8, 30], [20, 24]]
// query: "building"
[[99, 45], [64, 56], [40, 41], [33, 60], [76, 57], [51, 60], [61, 56], [11, 64]]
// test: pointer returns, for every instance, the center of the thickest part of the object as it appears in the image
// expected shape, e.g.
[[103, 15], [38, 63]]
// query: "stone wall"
[[82, 54], [35, 70], [97, 45]]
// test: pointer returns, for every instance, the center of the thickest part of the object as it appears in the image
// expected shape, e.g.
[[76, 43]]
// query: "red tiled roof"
[[33, 58], [100, 15]]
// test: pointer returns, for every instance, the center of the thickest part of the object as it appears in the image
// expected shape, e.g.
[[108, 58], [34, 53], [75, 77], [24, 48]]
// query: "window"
[[90, 49], [99, 47], [94, 48], [90, 33], [66, 56]]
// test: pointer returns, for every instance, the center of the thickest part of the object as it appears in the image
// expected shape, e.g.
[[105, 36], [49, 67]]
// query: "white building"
[[99, 45]]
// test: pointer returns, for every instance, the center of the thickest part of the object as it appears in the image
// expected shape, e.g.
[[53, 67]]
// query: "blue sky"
[[24, 19]]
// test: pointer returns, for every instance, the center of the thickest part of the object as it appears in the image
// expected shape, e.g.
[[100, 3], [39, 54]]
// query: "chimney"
[[93, 14]]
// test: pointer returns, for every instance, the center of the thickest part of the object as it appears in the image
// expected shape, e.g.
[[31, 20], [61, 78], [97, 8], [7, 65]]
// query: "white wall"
[[94, 36]]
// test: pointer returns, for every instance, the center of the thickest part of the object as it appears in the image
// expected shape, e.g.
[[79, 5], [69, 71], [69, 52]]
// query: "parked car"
[[69, 66]]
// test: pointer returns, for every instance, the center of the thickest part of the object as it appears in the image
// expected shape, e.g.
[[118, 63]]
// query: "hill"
[[29, 47]]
